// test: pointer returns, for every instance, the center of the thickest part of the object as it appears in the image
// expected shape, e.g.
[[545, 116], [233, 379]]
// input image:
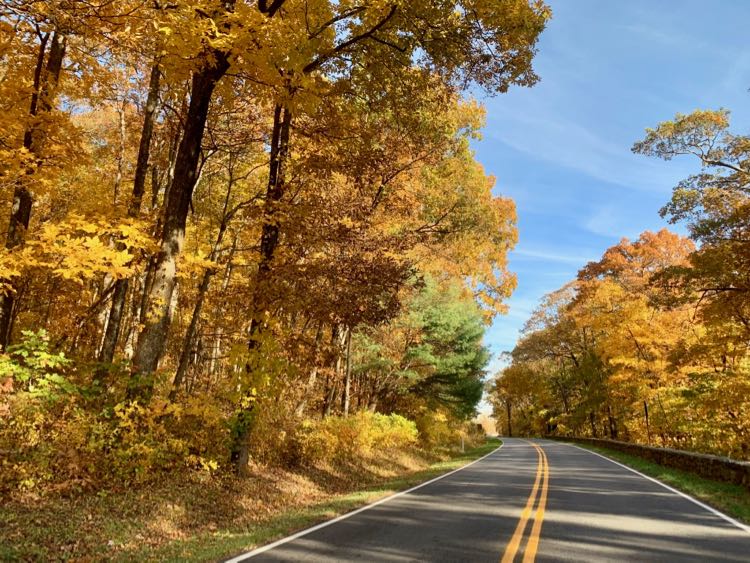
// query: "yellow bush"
[[440, 431], [70, 443], [338, 438]]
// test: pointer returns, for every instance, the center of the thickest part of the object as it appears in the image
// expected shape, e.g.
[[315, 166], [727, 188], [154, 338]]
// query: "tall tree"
[[46, 79]]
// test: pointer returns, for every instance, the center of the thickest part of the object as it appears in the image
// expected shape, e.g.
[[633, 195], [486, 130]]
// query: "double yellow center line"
[[542, 476]]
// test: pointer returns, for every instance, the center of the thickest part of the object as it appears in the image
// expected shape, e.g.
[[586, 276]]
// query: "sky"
[[561, 149]]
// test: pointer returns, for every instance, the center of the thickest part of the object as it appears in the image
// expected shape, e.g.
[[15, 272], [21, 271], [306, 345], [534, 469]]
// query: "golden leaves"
[[79, 249]]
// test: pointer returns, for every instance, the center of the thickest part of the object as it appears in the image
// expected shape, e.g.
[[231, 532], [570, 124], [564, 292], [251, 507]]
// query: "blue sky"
[[561, 149]]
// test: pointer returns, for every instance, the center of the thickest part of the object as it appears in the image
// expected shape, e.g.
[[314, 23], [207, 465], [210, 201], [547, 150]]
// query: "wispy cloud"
[[575, 258], [562, 148], [670, 37], [612, 222], [544, 135]]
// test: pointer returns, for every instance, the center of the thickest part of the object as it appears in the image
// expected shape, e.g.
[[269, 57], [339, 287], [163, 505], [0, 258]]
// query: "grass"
[[207, 520], [234, 541], [733, 500]]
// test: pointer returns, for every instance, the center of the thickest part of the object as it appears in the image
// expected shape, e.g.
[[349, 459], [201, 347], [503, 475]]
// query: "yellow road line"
[[515, 541], [533, 543]]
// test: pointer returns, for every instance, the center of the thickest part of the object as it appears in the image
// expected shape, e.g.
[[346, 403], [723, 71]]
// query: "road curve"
[[528, 501]]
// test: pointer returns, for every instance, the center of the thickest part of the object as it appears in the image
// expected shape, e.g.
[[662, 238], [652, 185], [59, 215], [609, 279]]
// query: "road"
[[529, 500]]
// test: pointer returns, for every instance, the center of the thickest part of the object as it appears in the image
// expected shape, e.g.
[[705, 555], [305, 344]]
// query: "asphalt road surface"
[[527, 501]]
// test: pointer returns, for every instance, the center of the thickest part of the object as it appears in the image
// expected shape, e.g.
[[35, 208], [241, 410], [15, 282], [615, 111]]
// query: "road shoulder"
[[731, 502]]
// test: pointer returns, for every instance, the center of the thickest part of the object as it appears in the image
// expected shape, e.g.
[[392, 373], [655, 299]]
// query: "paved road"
[[542, 501]]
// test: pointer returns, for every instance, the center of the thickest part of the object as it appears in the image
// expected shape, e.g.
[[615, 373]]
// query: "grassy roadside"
[[733, 500], [206, 521], [229, 542]]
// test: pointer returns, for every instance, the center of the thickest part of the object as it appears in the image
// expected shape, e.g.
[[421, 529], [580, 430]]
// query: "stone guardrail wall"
[[709, 466]]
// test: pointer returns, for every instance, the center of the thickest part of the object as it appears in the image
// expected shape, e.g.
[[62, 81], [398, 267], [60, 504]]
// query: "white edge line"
[[258, 551], [711, 509]]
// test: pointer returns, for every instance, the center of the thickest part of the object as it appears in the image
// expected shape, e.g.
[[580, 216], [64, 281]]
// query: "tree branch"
[[321, 59], [725, 165], [342, 16], [271, 10]]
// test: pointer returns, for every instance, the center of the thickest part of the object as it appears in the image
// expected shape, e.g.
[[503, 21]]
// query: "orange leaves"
[[602, 345]]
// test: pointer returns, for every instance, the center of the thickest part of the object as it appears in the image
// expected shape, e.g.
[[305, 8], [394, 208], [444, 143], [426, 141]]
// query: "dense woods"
[[244, 231], [650, 343]]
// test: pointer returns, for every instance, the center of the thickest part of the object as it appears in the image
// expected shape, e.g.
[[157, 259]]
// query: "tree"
[[432, 352]]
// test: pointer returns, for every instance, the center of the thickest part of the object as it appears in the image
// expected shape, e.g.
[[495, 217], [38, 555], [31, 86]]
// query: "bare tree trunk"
[[187, 346], [508, 412], [332, 382], [612, 423], [268, 242], [216, 347], [194, 319], [120, 152], [46, 79], [152, 339], [347, 373], [310, 386], [114, 322], [330, 398]]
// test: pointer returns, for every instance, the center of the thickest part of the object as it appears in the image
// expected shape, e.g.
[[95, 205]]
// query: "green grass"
[[225, 543], [733, 500]]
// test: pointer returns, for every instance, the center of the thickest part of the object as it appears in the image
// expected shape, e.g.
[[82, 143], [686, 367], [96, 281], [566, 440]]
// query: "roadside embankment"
[[189, 519]]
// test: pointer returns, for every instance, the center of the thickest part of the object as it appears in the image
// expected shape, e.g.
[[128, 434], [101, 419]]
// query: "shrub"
[[347, 439], [33, 369], [437, 430]]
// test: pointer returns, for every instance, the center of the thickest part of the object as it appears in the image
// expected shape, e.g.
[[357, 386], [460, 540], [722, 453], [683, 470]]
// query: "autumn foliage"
[[650, 343], [245, 231]]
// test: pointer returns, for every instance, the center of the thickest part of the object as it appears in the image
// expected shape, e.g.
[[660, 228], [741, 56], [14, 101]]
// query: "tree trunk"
[[152, 339], [45, 86], [326, 392], [508, 409], [216, 346], [194, 319], [114, 322], [347, 373], [332, 383], [330, 397], [612, 423], [269, 240], [310, 386], [187, 345], [120, 152], [202, 290]]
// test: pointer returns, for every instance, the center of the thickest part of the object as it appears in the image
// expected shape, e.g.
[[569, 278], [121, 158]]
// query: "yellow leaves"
[[78, 249], [696, 133], [193, 264]]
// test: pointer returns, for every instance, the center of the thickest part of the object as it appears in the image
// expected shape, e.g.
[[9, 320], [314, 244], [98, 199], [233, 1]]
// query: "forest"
[[649, 344], [241, 233]]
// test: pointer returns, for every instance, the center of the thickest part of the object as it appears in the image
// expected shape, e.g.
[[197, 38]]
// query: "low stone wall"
[[709, 466]]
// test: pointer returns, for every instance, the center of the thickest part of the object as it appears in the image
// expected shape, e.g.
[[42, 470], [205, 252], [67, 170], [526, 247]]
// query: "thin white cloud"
[[612, 222], [575, 259], [545, 135], [670, 37]]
